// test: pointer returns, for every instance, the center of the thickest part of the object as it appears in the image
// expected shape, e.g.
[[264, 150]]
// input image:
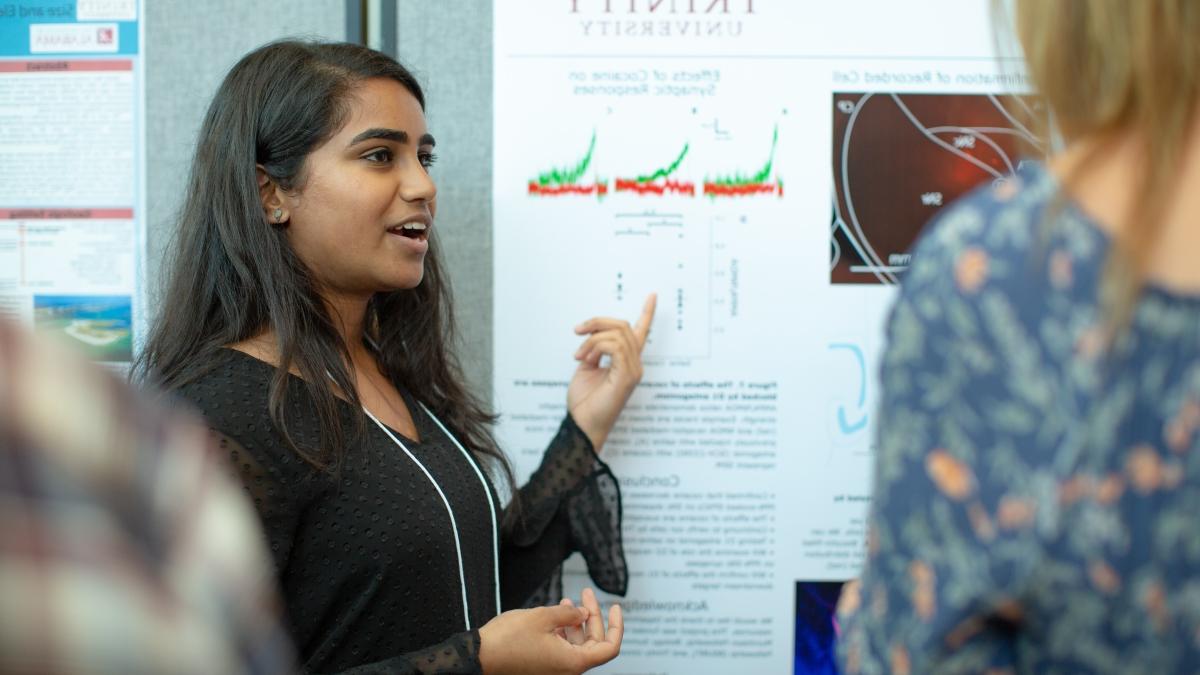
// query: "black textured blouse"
[[367, 560]]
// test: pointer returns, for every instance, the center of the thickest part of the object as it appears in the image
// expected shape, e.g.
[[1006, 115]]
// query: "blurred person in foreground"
[[124, 546], [1038, 469]]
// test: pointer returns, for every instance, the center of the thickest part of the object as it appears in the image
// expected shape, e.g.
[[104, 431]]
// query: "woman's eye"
[[379, 156], [427, 159]]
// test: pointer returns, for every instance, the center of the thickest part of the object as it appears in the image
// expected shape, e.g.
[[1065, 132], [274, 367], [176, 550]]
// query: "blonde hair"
[[1108, 68]]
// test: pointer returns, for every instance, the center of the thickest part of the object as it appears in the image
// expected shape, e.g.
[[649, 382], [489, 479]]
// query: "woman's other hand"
[[593, 628], [597, 394], [532, 640]]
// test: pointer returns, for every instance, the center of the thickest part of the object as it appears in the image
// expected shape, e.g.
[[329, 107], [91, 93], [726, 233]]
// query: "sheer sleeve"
[[571, 503]]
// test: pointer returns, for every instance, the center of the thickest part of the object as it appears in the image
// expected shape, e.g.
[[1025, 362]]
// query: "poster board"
[[764, 167], [72, 190]]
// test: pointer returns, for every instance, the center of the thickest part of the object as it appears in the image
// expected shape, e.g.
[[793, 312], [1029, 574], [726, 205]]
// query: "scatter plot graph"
[[899, 158], [668, 253]]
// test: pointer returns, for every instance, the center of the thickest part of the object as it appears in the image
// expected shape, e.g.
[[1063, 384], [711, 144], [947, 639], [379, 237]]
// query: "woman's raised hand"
[[597, 394], [535, 641]]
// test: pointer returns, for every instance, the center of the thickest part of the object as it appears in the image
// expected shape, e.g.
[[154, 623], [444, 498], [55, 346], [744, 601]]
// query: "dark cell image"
[[899, 158]]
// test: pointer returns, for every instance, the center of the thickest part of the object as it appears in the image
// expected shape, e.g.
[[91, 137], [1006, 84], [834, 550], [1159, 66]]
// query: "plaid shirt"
[[124, 547]]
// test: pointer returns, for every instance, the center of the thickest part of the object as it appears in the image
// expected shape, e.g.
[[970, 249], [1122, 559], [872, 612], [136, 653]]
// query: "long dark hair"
[[233, 275]]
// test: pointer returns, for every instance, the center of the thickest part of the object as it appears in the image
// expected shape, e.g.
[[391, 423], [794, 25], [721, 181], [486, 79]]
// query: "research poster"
[[764, 167], [71, 171]]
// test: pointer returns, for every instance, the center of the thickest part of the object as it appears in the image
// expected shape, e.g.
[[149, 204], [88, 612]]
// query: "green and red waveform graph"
[[660, 182], [738, 185], [566, 181]]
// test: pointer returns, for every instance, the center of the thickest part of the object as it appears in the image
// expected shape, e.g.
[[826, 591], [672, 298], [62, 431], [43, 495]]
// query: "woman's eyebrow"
[[396, 135]]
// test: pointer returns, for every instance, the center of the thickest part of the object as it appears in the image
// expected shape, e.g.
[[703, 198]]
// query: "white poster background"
[[745, 456]]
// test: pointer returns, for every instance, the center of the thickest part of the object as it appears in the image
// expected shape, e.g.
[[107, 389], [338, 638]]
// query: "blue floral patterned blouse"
[[1037, 494]]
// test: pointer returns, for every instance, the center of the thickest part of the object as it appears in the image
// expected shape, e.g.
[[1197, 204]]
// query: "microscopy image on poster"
[[816, 627], [899, 158]]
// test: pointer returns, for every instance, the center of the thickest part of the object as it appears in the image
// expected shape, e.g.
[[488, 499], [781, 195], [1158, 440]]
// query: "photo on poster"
[[899, 158], [816, 627], [101, 326]]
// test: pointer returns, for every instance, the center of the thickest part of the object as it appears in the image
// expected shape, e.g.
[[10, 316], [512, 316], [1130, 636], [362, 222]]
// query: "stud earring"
[[278, 215]]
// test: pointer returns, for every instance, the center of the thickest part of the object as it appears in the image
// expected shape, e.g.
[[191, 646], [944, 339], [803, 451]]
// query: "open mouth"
[[416, 230]]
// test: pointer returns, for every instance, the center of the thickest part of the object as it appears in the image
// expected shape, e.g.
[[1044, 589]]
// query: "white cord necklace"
[[450, 511]]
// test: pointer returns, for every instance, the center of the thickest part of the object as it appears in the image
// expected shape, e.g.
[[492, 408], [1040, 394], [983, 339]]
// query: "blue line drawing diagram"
[[846, 427]]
